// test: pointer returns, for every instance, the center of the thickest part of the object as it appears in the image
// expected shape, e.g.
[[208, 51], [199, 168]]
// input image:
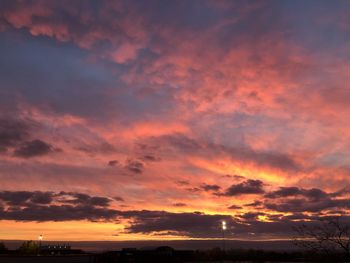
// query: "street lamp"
[[223, 227], [40, 239]]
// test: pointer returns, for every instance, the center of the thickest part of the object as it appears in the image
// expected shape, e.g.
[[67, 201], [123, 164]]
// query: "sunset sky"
[[130, 120]]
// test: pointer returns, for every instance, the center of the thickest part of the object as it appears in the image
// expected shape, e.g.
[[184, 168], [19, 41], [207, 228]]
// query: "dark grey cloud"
[[246, 187], [284, 192], [202, 225], [179, 204], [113, 163], [102, 148], [119, 199], [341, 192], [63, 206], [194, 224], [25, 198], [234, 176], [41, 197], [49, 206], [193, 189], [16, 198], [296, 200], [307, 205], [33, 148], [251, 215], [52, 212], [83, 199], [134, 166], [12, 132], [210, 187], [289, 199], [17, 135], [150, 158], [182, 182], [313, 193], [255, 203], [234, 207]]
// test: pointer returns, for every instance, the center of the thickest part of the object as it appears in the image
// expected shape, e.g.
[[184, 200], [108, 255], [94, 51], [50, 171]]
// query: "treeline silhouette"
[[169, 255]]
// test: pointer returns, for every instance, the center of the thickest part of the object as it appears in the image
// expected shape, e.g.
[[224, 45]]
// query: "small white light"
[[41, 237], [223, 225]]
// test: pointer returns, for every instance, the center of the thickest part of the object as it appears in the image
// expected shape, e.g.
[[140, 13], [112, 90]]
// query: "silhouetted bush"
[[29, 248]]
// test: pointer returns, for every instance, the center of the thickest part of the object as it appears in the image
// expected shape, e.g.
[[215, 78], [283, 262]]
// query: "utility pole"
[[223, 227]]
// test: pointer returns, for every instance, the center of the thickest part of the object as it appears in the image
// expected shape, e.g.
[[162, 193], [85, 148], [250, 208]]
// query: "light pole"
[[40, 239], [223, 227]]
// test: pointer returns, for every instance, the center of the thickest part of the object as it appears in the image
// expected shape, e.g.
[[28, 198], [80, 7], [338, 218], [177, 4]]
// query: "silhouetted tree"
[[329, 236], [29, 247]]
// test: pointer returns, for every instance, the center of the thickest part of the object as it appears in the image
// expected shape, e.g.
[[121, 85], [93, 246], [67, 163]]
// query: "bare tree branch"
[[327, 237]]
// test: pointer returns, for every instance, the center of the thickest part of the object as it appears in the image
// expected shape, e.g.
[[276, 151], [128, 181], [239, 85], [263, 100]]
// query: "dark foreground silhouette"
[[64, 254]]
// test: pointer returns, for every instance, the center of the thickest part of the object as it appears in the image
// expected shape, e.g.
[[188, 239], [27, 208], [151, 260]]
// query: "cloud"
[[251, 215], [83, 199], [313, 193], [134, 166], [193, 189], [294, 199], [42, 213], [103, 147], [194, 224], [34, 148], [21, 197], [113, 163], [243, 154], [234, 207], [41, 197], [198, 224], [65, 206], [210, 187], [179, 204], [12, 132], [246, 187], [150, 158], [119, 199], [50, 206], [307, 205], [235, 176], [256, 203], [284, 192], [182, 182]]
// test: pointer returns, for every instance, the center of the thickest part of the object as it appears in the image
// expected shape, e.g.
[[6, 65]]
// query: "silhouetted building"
[[58, 249]]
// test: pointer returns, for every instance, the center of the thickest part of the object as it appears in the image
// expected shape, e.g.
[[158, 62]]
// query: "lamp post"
[[40, 239], [223, 227]]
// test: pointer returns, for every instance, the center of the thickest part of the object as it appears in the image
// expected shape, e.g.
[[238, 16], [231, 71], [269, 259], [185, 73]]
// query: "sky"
[[138, 120]]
